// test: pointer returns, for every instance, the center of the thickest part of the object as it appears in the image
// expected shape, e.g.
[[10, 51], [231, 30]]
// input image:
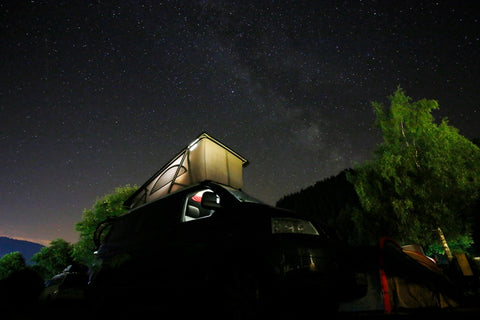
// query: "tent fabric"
[[405, 294], [204, 159], [413, 280], [400, 279]]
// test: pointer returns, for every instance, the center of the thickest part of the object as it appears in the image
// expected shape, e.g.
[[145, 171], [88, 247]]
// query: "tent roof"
[[130, 202]]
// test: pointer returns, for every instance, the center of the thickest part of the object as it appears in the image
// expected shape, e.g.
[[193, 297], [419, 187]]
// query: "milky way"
[[97, 95]]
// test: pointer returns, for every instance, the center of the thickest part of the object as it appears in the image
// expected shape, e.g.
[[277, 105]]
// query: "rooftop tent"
[[204, 159]]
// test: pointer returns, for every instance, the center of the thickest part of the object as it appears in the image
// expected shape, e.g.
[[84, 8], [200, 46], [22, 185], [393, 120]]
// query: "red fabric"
[[387, 307]]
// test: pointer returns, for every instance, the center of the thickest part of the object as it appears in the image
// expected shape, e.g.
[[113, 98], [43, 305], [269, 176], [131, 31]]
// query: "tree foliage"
[[110, 205], [423, 176], [10, 263], [54, 258]]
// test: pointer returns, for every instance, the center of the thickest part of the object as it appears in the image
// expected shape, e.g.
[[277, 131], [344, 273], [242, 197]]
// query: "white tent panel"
[[204, 159], [211, 161]]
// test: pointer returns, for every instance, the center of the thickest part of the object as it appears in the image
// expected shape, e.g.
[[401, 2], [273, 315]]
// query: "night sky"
[[96, 95]]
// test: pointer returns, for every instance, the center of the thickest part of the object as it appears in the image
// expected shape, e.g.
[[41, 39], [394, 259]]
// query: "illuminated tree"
[[54, 258], [20, 284], [110, 205], [10, 263], [423, 176]]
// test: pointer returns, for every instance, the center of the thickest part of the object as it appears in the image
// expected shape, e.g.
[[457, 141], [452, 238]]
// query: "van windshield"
[[242, 196]]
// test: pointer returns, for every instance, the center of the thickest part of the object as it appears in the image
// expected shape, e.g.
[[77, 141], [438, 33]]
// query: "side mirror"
[[98, 234], [211, 201]]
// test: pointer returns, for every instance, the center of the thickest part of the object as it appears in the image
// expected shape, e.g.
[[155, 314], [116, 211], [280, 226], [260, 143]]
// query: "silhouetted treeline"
[[331, 202], [334, 202]]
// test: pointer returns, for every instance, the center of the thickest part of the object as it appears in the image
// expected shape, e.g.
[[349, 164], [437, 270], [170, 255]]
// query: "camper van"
[[208, 245]]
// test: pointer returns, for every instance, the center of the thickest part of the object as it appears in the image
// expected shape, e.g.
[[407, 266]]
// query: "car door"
[[201, 238]]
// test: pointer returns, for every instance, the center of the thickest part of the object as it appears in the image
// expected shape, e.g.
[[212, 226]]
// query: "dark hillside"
[[26, 248], [331, 201]]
